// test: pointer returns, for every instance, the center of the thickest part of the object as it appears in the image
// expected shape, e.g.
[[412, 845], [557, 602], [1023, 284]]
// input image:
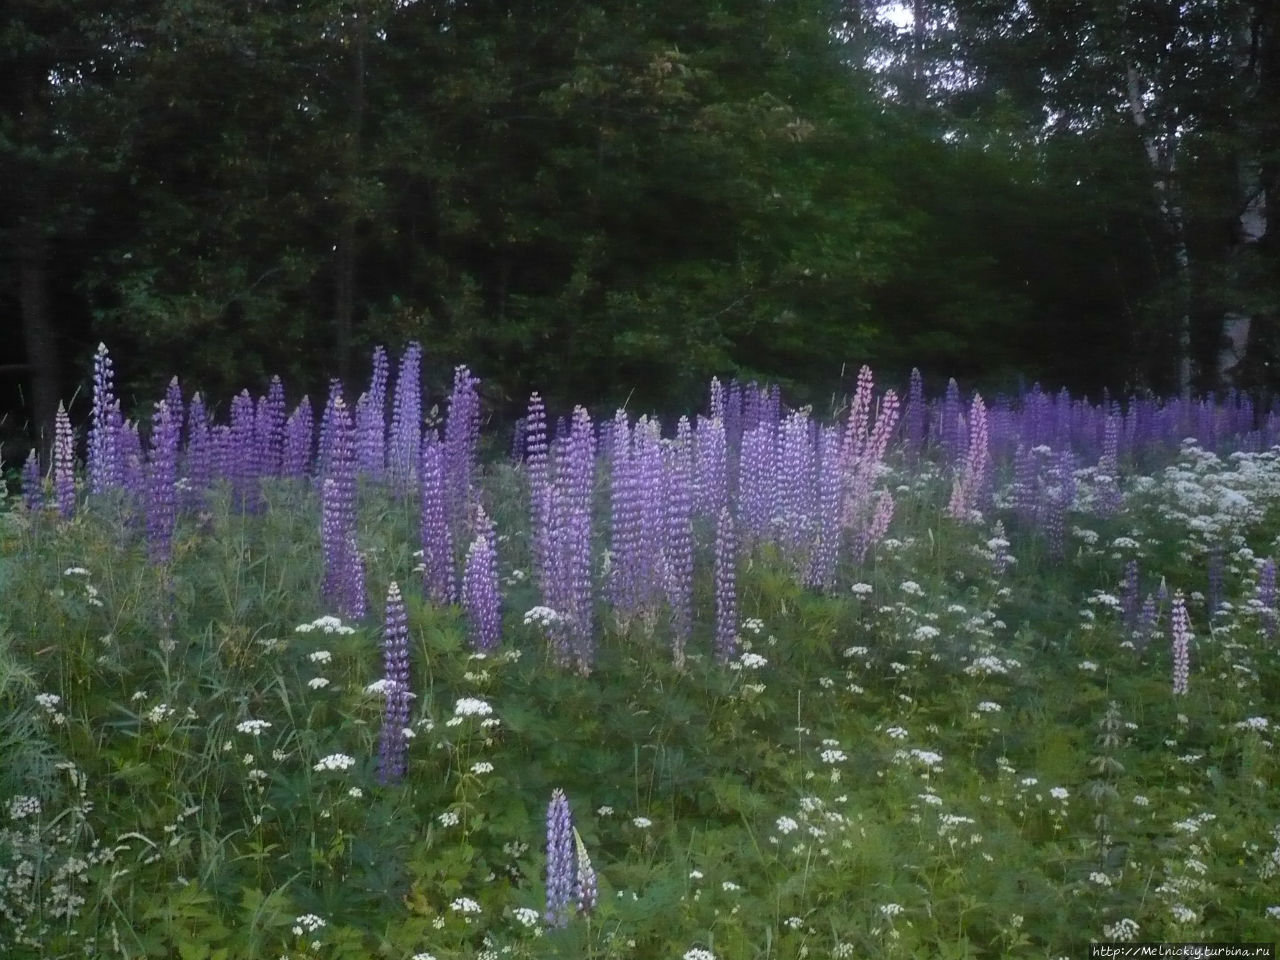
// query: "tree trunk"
[[1161, 159]]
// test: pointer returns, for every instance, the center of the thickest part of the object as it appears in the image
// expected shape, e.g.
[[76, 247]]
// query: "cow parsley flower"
[[335, 761]]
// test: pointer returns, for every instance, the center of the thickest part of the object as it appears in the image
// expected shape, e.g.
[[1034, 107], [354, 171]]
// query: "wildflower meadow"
[[372, 677]]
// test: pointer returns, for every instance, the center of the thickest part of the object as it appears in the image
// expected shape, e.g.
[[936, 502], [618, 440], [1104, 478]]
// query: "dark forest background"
[[613, 200]]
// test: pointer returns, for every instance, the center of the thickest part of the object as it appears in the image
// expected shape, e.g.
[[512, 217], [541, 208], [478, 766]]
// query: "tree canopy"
[[613, 200]]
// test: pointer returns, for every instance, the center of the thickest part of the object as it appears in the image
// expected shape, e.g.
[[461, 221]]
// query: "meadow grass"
[[940, 757]]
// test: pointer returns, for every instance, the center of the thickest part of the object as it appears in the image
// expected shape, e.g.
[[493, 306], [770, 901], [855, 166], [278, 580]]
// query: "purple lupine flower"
[[913, 421], [393, 746], [461, 433], [712, 456], [875, 530], [105, 471], [971, 477], [480, 595], [575, 568], [371, 420], [830, 491], [162, 479], [32, 492], [199, 459], [326, 427], [64, 479], [539, 492], [437, 539], [404, 448], [795, 506], [951, 425], [1267, 597], [757, 482], [1180, 630], [338, 512], [588, 888], [1148, 619], [715, 400], [354, 580], [559, 860], [625, 506], [298, 430], [679, 539], [269, 429], [243, 466], [726, 641], [1026, 484], [132, 462]]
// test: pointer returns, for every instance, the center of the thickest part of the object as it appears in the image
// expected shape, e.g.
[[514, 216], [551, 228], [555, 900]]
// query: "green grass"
[[971, 767]]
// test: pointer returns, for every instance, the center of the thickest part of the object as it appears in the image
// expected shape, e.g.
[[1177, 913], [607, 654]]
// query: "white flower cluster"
[[1125, 929], [307, 923], [319, 656], [464, 905], [1254, 723], [697, 953], [254, 727], [526, 916], [324, 625], [22, 807], [753, 625], [334, 761], [749, 661], [544, 617], [471, 707]]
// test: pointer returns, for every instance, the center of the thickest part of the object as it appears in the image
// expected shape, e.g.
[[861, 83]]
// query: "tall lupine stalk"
[[913, 420], [437, 539], [1109, 498], [796, 478], [344, 575], [587, 888], [969, 483], [480, 598], [576, 566], [461, 435], [393, 745], [1267, 598], [243, 465], [830, 492], [757, 482], [371, 420], [404, 450], [726, 574], [64, 478], [32, 491], [1026, 484], [133, 462], [712, 479], [862, 456], [199, 454], [999, 547], [625, 508], [1148, 620], [951, 424], [678, 518], [105, 472], [559, 860], [269, 429], [568, 546], [326, 427], [1180, 632], [536, 466], [162, 479], [298, 430]]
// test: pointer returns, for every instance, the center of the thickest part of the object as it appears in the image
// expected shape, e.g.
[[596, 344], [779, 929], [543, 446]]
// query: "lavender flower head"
[[559, 860], [32, 494], [162, 479], [588, 888], [1180, 630], [104, 429], [726, 641], [480, 594], [393, 745], [64, 481]]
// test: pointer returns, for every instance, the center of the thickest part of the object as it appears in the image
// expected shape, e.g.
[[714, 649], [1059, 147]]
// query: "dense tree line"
[[607, 200]]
